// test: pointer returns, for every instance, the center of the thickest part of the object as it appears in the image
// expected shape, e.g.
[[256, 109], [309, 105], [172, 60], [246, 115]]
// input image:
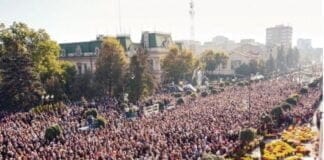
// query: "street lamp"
[[249, 93]]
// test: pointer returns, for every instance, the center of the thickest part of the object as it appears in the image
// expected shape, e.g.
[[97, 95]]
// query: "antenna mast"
[[192, 27], [119, 17]]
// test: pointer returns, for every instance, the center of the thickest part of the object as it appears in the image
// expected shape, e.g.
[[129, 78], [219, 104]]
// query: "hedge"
[[52, 132], [277, 112], [193, 95], [285, 106], [48, 108], [101, 122], [247, 135], [291, 100], [92, 112]]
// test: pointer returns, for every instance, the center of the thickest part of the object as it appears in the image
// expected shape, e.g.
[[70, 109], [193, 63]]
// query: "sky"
[[82, 20]]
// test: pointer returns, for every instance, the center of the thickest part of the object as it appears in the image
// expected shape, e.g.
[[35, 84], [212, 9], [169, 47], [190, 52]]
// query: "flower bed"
[[277, 149], [297, 135]]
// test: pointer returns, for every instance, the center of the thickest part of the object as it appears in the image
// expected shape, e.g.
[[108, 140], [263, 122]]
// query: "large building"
[[279, 35], [304, 44], [309, 54], [84, 54]]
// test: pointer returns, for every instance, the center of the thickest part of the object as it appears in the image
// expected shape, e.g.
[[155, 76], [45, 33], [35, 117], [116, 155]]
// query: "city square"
[[69, 91]]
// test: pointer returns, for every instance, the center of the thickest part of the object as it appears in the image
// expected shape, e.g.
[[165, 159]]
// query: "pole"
[[249, 101], [321, 145]]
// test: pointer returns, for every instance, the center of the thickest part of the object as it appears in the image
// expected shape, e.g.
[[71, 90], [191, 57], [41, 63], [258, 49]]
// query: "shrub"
[[240, 84], [180, 101], [193, 96], [92, 112], [52, 132], [277, 112], [211, 87], [247, 135], [291, 100], [222, 84], [48, 108], [304, 90], [188, 93], [295, 96], [101, 122], [227, 83], [204, 94], [222, 89], [285, 106]]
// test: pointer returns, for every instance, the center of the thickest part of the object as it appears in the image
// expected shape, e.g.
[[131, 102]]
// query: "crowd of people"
[[205, 125]]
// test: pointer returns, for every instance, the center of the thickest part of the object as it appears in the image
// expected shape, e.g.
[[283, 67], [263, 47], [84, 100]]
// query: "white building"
[[279, 35]]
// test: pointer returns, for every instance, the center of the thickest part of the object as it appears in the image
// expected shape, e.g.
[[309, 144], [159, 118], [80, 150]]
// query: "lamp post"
[[249, 99]]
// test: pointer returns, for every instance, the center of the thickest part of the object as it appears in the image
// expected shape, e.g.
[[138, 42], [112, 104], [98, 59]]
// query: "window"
[[78, 50]]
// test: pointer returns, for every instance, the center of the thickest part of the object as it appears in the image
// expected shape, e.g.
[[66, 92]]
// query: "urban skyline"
[[84, 20]]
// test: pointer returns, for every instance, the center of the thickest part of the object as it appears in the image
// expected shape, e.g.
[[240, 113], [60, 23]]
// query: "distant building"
[[186, 44], [242, 54], [304, 44], [279, 35], [84, 54]]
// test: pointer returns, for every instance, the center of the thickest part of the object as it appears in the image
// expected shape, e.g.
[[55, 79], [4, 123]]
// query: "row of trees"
[[30, 69]]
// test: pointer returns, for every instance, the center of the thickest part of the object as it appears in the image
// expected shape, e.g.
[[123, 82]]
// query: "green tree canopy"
[[44, 52], [111, 67], [20, 88], [141, 80], [178, 65], [211, 60]]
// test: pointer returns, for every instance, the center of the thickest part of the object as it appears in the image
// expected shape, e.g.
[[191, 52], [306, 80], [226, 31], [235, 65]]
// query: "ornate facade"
[[84, 54]]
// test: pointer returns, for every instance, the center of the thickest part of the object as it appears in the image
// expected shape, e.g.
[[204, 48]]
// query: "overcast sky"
[[82, 20]]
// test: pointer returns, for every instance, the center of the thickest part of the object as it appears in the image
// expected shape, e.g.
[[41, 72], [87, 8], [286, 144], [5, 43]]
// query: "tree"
[[111, 67], [212, 60], [296, 57], [44, 51], [84, 86], [243, 69], [290, 58], [281, 60], [20, 88], [270, 64], [141, 79], [178, 65]]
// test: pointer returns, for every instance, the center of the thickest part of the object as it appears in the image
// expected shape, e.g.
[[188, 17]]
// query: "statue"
[[198, 76]]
